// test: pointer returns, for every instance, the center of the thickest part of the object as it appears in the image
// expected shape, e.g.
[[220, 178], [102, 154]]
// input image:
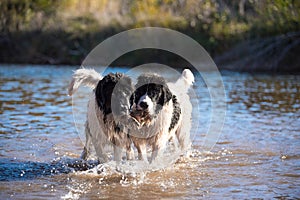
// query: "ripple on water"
[[257, 155]]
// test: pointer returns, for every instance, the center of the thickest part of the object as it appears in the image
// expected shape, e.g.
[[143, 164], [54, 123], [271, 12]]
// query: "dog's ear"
[[121, 96], [126, 85], [131, 100], [100, 96], [104, 91], [166, 95]]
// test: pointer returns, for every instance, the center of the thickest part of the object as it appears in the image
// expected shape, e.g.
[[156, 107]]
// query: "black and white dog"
[[149, 114], [103, 127], [161, 113]]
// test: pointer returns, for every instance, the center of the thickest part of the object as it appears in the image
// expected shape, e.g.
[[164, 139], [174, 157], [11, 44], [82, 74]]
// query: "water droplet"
[[283, 157]]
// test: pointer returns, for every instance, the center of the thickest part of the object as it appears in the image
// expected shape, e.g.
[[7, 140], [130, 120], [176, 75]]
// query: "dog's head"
[[151, 94], [113, 94]]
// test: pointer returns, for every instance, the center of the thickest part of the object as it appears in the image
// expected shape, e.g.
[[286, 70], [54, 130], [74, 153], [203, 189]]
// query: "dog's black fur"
[[156, 88], [112, 95], [176, 113], [116, 114], [151, 117], [110, 91]]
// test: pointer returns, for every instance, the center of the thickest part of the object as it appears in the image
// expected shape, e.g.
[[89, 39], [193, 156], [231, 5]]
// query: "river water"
[[257, 154]]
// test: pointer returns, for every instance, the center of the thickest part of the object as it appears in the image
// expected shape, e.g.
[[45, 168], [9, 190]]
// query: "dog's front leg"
[[155, 149], [102, 157], [142, 150], [129, 153], [117, 153], [158, 147], [99, 148]]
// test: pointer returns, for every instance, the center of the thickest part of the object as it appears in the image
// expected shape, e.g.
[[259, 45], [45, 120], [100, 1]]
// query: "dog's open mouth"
[[141, 117]]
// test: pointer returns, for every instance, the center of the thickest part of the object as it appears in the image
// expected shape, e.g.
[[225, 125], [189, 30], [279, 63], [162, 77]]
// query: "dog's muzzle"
[[143, 105]]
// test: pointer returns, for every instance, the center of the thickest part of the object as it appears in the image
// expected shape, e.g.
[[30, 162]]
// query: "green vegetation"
[[64, 31]]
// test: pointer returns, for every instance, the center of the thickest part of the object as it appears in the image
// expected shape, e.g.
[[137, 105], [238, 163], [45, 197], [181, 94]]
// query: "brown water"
[[256, 156]]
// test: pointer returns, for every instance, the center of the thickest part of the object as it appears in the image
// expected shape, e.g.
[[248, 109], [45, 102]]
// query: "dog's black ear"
[[100, 96], [104, 91], [126, 85], [121, 97], [166, 95], [131, 100]]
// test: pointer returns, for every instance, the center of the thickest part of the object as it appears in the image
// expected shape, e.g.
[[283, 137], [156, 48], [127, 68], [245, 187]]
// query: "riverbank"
[[273, 54], [239, 35]]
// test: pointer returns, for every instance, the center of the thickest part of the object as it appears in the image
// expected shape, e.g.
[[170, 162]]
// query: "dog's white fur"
[[94, 129], [180, 88], [155, 134], [97, 132]]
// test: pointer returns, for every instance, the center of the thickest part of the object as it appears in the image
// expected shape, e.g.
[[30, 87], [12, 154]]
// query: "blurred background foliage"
[[64, 31]]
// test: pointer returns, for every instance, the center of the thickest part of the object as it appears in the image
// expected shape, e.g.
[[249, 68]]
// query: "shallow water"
[[256, 156]]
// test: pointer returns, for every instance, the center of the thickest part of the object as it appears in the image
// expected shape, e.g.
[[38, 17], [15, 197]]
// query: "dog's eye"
[[136, 96]]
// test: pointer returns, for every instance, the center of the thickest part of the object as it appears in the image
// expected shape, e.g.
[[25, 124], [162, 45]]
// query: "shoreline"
[[273, 54]]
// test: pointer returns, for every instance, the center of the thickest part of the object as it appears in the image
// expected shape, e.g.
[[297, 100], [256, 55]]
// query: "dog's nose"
[[143, 105]]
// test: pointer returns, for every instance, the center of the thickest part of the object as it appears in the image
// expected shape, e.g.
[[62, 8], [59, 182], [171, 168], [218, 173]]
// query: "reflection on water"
[[257, 155], [268, 94]]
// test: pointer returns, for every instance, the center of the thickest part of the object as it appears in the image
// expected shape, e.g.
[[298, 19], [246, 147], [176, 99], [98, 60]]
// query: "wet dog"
[[147, 114], [104, 125], [160, 113]]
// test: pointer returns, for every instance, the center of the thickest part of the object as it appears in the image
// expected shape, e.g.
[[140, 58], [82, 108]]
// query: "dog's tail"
[[183, 84], [188, 77], [185, 81], [87, 77]]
